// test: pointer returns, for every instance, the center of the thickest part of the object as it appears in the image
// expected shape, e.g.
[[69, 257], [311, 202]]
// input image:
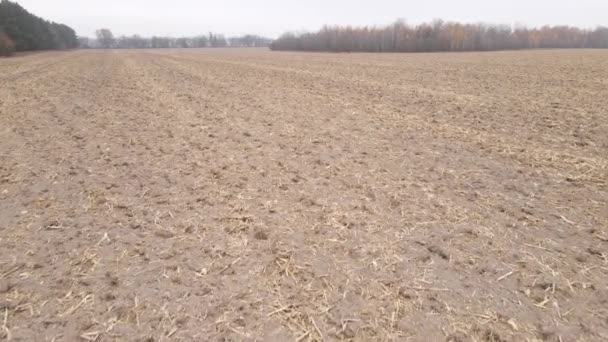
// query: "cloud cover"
[[273, 17]]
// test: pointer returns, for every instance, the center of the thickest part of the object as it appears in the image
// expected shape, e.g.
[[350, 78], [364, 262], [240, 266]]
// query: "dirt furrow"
[[250, 195]]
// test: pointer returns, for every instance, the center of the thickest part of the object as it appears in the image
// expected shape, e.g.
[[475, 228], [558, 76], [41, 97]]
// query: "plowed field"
[[238, 194]]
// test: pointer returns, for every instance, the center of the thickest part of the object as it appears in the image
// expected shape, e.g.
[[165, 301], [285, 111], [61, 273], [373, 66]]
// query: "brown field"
[[251, 195]]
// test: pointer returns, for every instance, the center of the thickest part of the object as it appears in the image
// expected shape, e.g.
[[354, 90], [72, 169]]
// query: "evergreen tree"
[[29, 32], [7, 47]]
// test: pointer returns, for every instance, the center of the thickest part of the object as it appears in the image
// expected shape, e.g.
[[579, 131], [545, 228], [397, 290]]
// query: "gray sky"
[[273, 17]]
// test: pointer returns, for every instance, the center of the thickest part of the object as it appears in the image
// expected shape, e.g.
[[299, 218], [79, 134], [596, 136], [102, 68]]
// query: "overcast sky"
[[273, 17]]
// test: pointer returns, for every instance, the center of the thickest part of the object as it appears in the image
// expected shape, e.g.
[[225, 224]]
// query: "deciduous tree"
[[441, 36], [105, 37]]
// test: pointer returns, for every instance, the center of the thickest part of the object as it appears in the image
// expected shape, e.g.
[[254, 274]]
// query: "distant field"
[[244, 194]]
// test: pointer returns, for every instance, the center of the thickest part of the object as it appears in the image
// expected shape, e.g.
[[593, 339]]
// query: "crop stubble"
[[244, 194]]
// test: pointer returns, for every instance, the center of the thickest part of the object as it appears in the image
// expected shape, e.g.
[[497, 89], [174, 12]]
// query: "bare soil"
[[248, 195]]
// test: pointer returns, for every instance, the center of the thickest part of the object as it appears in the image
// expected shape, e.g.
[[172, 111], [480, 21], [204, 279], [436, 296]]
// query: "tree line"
[[23, 31], [105, 39], [441, 36]]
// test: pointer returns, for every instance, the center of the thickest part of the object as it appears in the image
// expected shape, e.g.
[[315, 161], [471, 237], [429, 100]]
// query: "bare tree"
[[105, 37], [441, 36], [249, 40], [83, 42], [217, 40]]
